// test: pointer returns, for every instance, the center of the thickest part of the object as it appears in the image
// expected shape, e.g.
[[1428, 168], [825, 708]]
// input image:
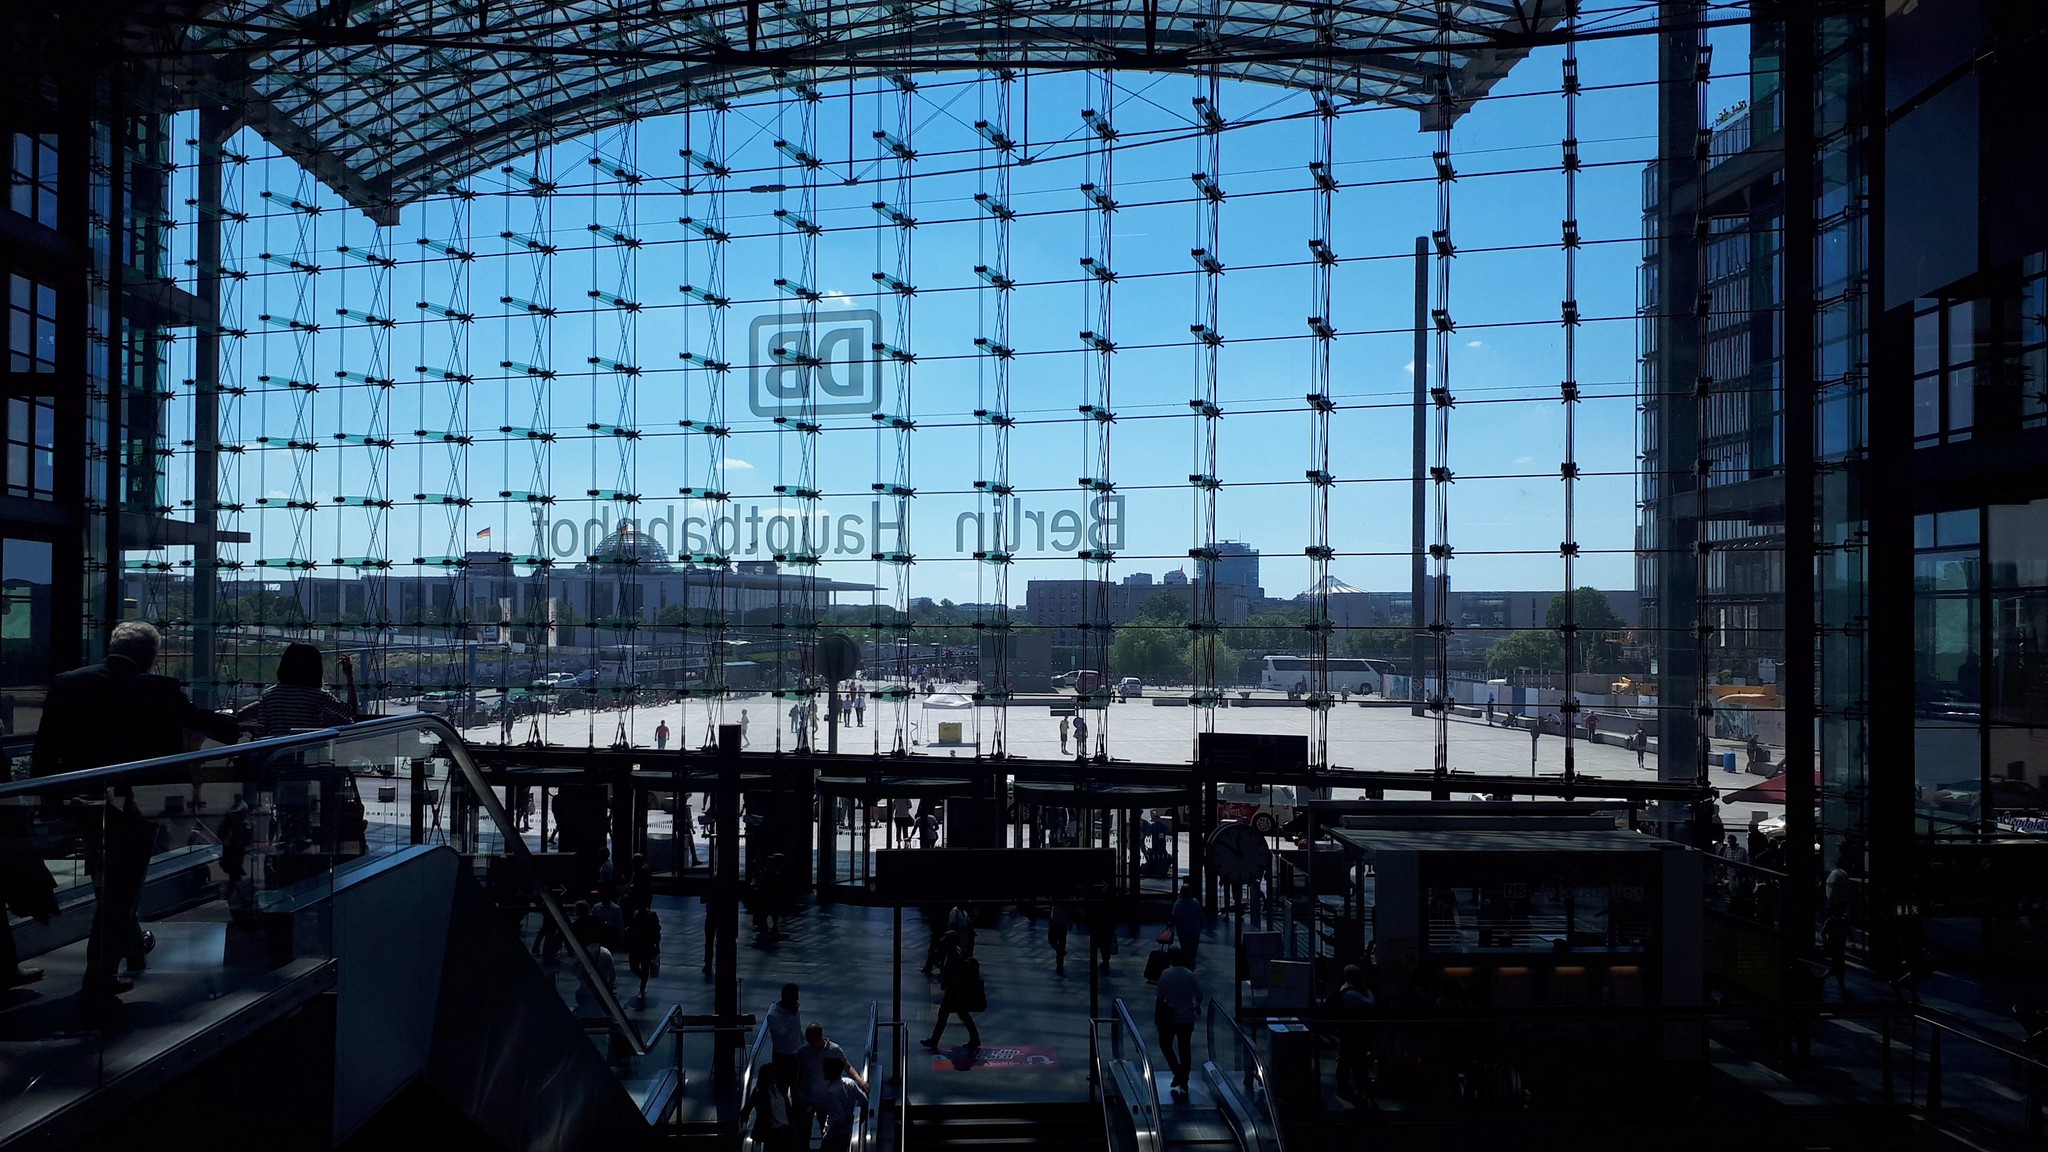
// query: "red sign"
[[1041, 1059]]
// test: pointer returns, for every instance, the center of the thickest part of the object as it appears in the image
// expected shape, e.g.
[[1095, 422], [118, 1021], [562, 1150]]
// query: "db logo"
[[839, 373]]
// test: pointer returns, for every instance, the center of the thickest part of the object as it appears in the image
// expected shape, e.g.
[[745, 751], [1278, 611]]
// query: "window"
[[32, 179], [1951, 341]]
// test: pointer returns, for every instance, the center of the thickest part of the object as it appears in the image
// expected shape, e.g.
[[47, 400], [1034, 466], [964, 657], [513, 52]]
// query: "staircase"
[[1071, 1127]]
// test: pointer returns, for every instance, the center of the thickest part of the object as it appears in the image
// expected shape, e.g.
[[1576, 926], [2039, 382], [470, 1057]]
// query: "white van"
[[1266, 809]]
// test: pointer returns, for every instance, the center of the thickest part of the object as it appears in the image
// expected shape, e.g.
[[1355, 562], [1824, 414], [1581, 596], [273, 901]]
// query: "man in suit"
[[113, 713]]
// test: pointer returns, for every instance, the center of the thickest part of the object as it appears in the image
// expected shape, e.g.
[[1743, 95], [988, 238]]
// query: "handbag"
[[1164, 938]]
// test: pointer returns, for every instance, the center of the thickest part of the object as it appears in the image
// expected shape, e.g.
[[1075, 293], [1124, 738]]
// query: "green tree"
[[1599, 629], [1533, 648]]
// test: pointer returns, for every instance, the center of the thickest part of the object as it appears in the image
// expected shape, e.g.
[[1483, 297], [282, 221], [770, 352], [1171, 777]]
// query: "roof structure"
[[388, 101]]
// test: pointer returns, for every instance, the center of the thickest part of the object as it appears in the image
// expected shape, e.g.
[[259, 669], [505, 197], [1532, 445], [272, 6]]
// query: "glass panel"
[[1962, 400], [1926, 407], [1927, 341], [25, 636]]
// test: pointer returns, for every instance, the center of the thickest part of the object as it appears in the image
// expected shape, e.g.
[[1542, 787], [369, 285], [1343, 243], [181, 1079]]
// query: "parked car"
[[1268, 810], [1130, 686], [2006, 795]]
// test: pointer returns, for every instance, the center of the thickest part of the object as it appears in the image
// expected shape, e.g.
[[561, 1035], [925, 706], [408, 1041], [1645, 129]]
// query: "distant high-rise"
[[1234, 563]]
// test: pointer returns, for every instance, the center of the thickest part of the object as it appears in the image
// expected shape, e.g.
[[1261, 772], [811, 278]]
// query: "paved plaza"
[[1377, 737]]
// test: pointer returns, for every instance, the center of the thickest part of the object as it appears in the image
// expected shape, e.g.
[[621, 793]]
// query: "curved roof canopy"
[[390, 100]]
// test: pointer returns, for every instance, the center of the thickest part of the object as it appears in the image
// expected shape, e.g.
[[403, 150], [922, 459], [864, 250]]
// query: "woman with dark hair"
[[297, 702]]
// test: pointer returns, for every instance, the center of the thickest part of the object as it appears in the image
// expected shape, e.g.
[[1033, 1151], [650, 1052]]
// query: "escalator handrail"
[[865, 1141], [135, 771], [160, 770], [1258, 1067], [902, 1086], [1151, 1103], [752, 1064]]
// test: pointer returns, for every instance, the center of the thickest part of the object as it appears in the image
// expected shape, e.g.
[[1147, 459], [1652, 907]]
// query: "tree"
[[1598, 627], [1534, 648]]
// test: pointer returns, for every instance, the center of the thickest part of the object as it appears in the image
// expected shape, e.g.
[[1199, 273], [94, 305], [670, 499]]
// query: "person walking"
[[1834, 948], [1642, 742], [1063, 735], [1102, 932], [899, 811], [786, 1036], [1489, 709], [860, 709], [1187, 917], [113, 713], [1081, 736], [811, 1080], [743, 727], [961, 924], [1178, 1002], [1057, 922], [961, 992], [1535, 740], [928, 830], [643, 947], [842, 1103], [661, 736], [1354, 1003]]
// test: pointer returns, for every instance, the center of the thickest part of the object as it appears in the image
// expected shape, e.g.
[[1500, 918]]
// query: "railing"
[[864, 1134], [1235, 1056], [1123, 1074], [750, 1068], [1926, 1086], [885, 1124], [259, 831]]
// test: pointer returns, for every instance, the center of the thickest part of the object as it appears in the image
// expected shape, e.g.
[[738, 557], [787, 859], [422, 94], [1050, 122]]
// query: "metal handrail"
[[865, 1139], [446, 737], [1124, 1021], [1979, 1039], [752, 1064], [902, 1086], [1265, 1100], [87, 778]]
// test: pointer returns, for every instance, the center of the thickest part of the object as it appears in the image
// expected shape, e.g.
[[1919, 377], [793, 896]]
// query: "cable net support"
[[1444, 327], [1205, 691], [1097, 336], [709, 609], [1317, 697], [895, 141], [997, 637]]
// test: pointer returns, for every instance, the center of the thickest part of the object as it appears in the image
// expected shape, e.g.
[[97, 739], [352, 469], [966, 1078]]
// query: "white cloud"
[[1525, 459], [735, 464], [1475, 344], [1409, 368], [837, 299]]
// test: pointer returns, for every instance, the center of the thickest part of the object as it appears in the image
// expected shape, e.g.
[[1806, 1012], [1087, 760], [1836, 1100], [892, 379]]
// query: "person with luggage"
[[1174, 1010], [962, 992]]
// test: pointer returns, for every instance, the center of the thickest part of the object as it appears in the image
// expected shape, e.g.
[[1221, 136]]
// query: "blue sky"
[[1506, 434]]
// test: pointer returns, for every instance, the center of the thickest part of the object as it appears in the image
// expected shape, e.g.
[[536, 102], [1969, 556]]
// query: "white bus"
[[1286, 673]]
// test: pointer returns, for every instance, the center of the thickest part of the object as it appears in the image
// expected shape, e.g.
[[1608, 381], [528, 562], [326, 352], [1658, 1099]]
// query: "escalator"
[[359, 983], [1229, 1105]]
